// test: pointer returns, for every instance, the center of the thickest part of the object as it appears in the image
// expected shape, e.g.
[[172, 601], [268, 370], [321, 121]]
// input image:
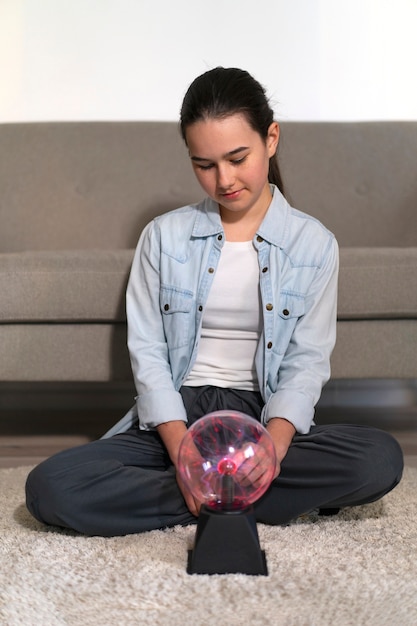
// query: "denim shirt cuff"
[[158, 407], [293, 406]]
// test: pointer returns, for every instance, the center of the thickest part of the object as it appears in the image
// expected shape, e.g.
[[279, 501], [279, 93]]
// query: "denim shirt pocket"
[[291, 308], [176, 306]]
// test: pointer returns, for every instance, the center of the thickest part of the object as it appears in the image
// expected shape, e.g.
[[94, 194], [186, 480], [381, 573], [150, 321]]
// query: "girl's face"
[[231, 163]]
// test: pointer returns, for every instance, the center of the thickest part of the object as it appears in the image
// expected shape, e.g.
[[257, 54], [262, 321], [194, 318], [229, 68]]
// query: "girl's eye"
[[210, 166], [239, 161], [205, 167]]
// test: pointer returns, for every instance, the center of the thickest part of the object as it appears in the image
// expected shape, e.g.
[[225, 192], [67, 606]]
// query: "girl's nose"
[[225, 177]]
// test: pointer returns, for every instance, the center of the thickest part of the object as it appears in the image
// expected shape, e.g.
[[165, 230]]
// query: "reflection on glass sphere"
[[227, 460]]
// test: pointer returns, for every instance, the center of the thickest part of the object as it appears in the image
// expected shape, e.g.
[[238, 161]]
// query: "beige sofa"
[[75, 196]]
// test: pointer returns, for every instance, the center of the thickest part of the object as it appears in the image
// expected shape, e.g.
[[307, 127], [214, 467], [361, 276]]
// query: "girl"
[[231, 304]]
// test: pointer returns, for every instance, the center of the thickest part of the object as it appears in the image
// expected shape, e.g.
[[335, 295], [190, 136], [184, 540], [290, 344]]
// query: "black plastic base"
[[227, 543]]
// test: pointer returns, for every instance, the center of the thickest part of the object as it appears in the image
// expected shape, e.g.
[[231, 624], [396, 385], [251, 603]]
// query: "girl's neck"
[[239, 231], [240, 227]]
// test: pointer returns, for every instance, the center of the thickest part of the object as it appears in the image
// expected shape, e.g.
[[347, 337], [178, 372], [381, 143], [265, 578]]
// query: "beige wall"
[[132, 59]]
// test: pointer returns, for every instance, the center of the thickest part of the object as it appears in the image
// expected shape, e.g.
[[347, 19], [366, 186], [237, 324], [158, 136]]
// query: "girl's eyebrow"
[[226, 156]]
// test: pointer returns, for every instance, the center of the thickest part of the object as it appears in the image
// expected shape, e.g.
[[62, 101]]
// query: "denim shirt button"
[[200, 308], [269, 345], [211, 270], [269, 306], [166, 307], [219, 237], [286, 312], [264, 269], [259, 239]]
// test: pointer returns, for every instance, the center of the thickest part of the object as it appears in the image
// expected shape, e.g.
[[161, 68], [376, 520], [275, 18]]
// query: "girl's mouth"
[[232, 195]]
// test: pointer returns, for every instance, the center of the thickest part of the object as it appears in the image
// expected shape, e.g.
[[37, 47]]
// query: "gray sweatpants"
[[126, 483]]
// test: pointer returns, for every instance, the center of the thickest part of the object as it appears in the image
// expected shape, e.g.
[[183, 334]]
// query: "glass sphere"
[[227, 460]]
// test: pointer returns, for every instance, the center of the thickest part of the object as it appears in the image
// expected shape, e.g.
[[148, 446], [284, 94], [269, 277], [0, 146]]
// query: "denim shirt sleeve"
[[158, 400], [305, 364]]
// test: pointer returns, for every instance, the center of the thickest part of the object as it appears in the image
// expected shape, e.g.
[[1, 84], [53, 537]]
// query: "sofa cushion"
[[377, 283], [375, 349], [89, 185], [89, 285], [79, 185], [64, 352], [60, 286], [357, 178]]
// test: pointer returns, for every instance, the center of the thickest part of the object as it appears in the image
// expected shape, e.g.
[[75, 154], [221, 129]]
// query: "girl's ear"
[[272, 138]]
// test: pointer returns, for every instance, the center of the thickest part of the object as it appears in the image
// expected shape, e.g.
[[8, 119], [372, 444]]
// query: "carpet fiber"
[[358, 568]]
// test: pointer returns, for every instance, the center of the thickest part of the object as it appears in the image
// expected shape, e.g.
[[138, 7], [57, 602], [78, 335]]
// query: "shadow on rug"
[[358, 568]]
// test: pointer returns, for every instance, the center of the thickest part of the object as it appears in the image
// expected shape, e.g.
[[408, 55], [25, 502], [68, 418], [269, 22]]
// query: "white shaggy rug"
[[356, 569]]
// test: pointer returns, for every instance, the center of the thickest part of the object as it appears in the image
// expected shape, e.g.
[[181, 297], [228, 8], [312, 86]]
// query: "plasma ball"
[[227, 460]]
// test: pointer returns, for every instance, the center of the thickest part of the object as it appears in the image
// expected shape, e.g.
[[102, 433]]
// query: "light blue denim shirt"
[[172, 272]]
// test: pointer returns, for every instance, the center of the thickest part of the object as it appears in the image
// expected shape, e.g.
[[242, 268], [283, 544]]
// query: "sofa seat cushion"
[[64, 286], [377, 283], [89, 285]]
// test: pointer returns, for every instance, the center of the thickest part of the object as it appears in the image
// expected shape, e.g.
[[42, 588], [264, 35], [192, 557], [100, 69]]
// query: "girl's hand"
[[253, 462], [282, 433], [193, 505]]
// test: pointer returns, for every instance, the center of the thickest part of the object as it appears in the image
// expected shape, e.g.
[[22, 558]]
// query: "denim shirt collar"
[[274, 227], [207, 222]]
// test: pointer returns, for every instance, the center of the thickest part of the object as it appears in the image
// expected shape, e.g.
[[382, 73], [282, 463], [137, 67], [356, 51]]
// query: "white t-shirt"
[[231, 322]]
